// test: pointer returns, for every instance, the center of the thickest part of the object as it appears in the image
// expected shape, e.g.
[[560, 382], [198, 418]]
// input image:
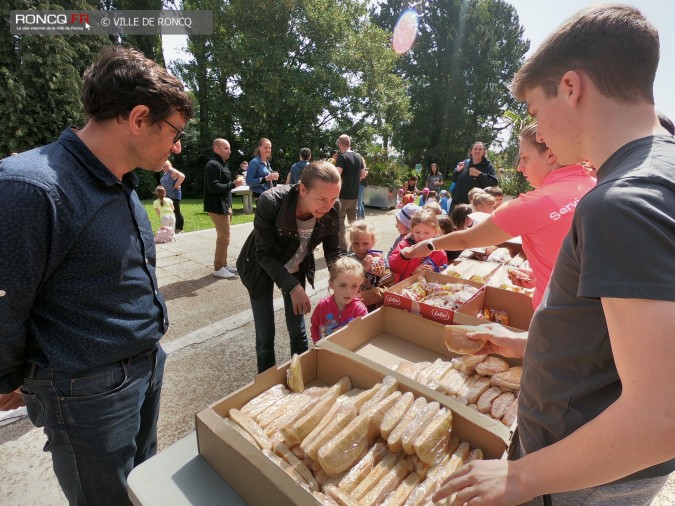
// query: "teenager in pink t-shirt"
[[541, 217]]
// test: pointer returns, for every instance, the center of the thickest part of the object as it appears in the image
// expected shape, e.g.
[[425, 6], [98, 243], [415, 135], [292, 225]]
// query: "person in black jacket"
[[290, 221], [476, 171], [218, 183]]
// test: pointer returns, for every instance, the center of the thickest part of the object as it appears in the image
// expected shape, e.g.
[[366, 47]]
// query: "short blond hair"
[[345, 265], [424, 216], [360, 227]]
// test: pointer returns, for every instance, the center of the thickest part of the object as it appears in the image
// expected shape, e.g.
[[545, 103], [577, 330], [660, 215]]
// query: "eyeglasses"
[[179, 132]]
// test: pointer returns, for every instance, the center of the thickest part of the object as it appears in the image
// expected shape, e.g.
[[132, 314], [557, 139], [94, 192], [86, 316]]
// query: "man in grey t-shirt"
[[595, 419]]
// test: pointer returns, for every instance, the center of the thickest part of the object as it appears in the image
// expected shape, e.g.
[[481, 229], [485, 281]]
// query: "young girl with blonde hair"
[[361, 236], [338, 309]]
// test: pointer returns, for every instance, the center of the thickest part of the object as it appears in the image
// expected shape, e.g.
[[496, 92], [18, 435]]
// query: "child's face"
[[361, 243], [345, 287], [402, 229], [498, 201], [422, 232]]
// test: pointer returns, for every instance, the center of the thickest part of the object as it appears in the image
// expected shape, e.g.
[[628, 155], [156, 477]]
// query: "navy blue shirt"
[[77, 263]]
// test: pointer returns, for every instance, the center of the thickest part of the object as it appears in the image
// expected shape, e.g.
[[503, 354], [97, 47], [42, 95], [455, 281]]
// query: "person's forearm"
[[457, 241], [628, 436]]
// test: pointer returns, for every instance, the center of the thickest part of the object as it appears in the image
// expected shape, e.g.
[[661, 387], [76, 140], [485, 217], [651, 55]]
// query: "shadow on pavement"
[[181, 289]]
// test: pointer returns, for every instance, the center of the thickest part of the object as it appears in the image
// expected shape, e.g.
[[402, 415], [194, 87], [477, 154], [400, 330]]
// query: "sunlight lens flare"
[[405, 32]]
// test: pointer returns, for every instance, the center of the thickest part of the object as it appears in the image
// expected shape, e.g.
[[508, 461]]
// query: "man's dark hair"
[[613, 44], [305, 153], [123, 78]]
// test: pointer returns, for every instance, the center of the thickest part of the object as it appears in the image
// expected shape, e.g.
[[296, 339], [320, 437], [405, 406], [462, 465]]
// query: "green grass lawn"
[[195, 217]]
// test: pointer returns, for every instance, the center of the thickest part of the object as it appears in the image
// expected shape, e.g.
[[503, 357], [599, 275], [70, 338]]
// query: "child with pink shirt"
[[338, 309]]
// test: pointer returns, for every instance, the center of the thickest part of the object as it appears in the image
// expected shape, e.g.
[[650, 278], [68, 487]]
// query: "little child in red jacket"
[[423, 225]]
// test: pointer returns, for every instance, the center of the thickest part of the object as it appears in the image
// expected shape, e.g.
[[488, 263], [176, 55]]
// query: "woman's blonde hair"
[[360, 227], [343, 265], [424, 217]]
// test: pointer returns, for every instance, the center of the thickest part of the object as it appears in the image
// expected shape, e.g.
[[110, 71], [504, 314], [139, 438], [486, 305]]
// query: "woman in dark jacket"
[[476, 171], [290, 221]]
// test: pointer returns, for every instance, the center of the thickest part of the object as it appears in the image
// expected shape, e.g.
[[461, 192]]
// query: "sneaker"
[[233, 270], [224, 273]]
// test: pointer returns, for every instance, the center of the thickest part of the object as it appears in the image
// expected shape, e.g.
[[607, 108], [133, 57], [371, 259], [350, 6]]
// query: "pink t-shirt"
[[328, 306], [543, 217]]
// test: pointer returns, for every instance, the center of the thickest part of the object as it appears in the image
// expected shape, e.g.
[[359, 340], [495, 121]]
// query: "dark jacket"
[[465, 182], [217, 186], [274, 241]]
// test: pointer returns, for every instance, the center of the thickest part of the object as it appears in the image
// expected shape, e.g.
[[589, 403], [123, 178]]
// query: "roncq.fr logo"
[[440, 314]]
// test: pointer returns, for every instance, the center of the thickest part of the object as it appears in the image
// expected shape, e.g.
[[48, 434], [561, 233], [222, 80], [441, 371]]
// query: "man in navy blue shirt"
[[81, 315]]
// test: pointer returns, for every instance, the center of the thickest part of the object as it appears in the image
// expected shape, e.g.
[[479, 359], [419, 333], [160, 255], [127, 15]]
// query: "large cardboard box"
[[393, 297], [254, 477], [517, 305], [386, 337]]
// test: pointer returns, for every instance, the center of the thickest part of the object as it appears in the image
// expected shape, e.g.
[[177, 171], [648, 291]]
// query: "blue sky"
[[541, 17]]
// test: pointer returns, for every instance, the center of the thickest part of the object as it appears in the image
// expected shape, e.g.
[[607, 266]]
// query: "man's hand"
[[500, 340], [301, 303], [417, 251], [483, 482], [11, 400], [239, 181]]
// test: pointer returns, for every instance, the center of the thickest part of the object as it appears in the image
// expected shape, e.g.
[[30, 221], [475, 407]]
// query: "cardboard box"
[[258, 480], [386, 337], [393, 297], [517, 305]]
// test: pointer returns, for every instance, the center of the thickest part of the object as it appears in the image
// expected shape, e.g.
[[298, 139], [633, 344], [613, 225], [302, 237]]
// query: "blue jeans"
[[360, 210], [100, 423], [263, 317]]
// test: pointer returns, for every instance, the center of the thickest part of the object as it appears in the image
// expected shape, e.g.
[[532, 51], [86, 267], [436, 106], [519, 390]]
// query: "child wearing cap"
[[403, 217], [444, 201]]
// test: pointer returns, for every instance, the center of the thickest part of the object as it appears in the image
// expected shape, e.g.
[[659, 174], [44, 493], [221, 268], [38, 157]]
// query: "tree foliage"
[[458, 70], [40, 79], [41, 76], [298, 72]]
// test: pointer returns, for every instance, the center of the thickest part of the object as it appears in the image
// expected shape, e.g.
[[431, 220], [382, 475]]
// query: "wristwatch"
[[430, 245]]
